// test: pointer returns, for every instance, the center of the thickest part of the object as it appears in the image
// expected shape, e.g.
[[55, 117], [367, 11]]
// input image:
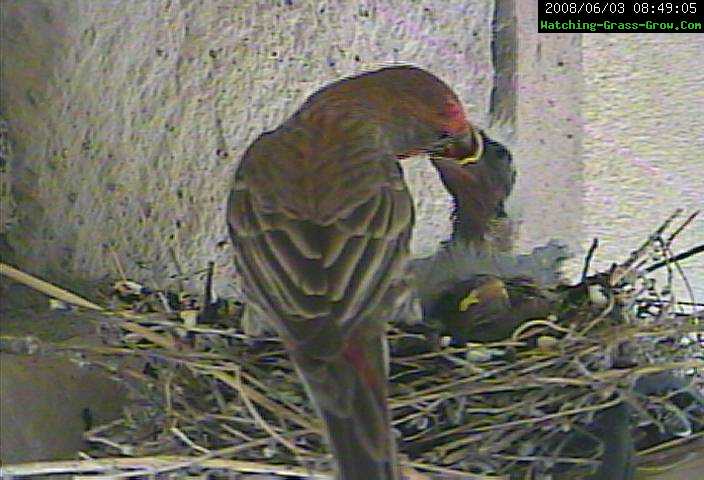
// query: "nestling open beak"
[[465, 149]]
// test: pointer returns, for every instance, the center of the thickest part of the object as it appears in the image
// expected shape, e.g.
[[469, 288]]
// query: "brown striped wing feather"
[[319, 279]]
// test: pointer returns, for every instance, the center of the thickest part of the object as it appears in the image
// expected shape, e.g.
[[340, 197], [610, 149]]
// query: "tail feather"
[[350, 393], [354, 461]]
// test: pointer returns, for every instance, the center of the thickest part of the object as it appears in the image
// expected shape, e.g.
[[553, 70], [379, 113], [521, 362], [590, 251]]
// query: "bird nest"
[[209, 399]]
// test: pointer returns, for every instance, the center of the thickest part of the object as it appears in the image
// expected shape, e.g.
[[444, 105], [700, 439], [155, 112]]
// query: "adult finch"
[[320, 219]]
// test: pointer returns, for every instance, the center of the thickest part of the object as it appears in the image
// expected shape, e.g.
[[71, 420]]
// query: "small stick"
[[177, 266], [47, 288], [208, 295], [672, 443], [120, 270], [679, 257], [150, 466], [262, 423], [588, 259], [682, 227], [628, 265], [184, 438]]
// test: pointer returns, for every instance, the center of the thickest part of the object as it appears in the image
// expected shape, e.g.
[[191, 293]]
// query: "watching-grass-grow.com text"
[[577, 26]]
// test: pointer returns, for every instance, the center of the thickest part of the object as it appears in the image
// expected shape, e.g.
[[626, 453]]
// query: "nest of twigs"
[[208, 398]]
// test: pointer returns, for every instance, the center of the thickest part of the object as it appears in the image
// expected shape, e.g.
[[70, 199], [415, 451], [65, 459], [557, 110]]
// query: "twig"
[[679, 229], [151, 465], [184, 438], [118, 265], [227, 389], [677, 258], [262, 423], [628, 265], [672, 443], [47, 288], [208, 294], [588, 259]]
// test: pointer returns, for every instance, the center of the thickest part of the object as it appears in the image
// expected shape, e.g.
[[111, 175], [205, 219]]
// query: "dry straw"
[[209, 399]]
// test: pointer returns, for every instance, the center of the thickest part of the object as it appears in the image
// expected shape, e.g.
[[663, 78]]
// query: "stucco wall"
[[548, 199], [643, 147], [127, 119], [609, 139], [130, 116]]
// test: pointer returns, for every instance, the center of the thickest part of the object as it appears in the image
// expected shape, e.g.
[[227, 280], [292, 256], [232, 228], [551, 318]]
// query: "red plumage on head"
[[456, 120]]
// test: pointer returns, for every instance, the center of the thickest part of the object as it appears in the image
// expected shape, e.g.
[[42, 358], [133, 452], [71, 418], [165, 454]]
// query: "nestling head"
[[480, 188]]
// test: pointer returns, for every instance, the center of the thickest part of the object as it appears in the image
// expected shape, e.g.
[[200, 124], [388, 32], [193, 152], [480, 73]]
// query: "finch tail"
[[354, 460], [350, 393]]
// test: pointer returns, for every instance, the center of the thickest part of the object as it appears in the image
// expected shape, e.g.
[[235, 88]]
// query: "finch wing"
[[321, 276]]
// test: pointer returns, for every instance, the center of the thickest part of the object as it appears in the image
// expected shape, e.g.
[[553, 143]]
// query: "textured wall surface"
[[127, 119], [609, 139], [133, 114], [548, 199], [643, 108]]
